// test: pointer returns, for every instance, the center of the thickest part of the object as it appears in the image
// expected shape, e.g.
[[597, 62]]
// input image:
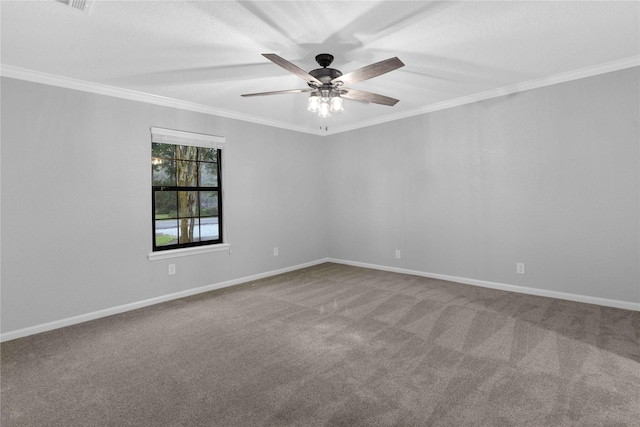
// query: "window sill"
[[174, 253]]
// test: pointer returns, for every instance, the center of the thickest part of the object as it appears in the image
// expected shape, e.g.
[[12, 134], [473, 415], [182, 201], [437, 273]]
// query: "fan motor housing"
[[325, 75]]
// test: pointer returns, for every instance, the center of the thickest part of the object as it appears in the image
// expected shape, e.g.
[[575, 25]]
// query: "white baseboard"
[[32, 330], [627, 305]]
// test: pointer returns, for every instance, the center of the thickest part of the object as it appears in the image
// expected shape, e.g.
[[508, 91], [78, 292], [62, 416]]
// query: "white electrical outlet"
[[520, 268], [172, 269], [275, 251], [397, 253]]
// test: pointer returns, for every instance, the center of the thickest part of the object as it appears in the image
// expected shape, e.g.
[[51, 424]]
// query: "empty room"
[[320, 213]]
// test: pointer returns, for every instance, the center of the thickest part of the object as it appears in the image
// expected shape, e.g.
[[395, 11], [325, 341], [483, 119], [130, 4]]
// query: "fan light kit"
[[324, 103], [327, 85]]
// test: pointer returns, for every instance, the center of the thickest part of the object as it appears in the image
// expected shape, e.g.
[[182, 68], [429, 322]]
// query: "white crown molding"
[[69, 83], [608, 67], [132, 95]]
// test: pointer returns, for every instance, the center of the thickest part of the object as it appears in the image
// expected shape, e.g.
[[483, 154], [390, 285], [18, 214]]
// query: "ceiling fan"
[[328, 85]]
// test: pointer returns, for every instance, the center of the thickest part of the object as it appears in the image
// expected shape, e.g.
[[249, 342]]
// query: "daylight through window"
[[186, 189]]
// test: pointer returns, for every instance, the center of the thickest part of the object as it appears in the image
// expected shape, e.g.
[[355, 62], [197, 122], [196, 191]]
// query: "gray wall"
[[548, 177], [76, 203]]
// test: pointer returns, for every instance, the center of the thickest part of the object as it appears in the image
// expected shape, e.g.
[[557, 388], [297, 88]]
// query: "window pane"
[[163, 151], [208, 155], [208, 174], [186, 152], [166, 204], [188, 204], [187, 230], [166, 232], [164, 172], [208, 203], [209, 229], [187, 173]]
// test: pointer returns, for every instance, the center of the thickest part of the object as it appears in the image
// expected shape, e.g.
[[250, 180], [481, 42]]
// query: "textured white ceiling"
[[206, 53]]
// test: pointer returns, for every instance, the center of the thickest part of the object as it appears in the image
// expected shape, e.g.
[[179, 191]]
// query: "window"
[[186, 189]]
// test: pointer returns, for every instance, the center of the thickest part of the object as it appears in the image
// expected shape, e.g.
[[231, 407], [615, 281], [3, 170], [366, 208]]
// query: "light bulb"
[[324, 110], [336, 103], [314, 102]]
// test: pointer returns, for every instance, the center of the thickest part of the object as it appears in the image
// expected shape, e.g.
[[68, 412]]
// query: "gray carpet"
[[333, 345]]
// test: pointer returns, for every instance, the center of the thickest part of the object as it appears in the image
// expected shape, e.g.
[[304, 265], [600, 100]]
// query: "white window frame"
[[177, 137]]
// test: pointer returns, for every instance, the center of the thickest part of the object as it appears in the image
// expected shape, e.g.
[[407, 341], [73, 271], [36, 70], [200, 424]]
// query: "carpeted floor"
[[333, 345]]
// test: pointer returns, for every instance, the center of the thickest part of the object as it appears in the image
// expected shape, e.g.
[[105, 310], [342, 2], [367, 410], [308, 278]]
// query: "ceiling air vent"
[[82, 5]]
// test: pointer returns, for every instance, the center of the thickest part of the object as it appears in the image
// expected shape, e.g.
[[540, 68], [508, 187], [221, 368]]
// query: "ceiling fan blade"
[[374, 98], [277, 92], [370, 71], [291, 68]]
